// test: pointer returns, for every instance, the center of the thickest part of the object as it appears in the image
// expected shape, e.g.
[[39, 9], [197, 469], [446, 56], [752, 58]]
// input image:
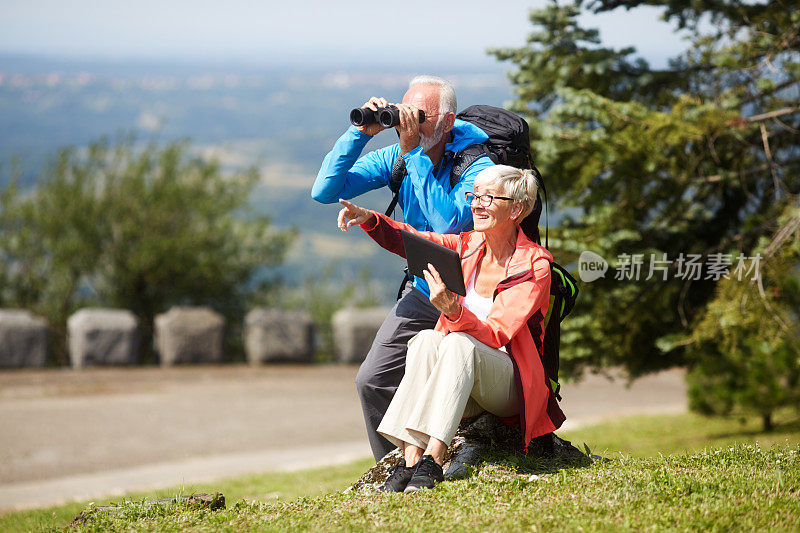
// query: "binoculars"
[[388, 116]]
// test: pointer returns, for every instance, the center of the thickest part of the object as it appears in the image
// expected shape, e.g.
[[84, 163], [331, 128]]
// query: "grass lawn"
[[649, 436], [667, 472], [262, 487]]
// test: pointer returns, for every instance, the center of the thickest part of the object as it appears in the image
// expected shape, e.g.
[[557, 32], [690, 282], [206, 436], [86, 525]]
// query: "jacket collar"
[[464, 134], [526, 253]]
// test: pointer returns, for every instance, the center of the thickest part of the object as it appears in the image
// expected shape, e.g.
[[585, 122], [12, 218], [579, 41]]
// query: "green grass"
[[738, 488], [649, 436], [731, 478], [269, 487]]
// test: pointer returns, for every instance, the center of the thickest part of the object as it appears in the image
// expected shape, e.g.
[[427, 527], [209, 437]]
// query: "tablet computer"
[[420, 252]]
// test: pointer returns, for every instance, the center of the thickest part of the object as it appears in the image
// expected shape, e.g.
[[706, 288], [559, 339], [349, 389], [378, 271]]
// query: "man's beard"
[[429, 142]]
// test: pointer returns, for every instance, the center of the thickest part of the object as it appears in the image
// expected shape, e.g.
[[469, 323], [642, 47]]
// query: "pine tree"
[[697, 159], [744, 348]]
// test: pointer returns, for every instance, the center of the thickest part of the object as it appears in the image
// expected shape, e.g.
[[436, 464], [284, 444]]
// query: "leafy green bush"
[[141, 228]]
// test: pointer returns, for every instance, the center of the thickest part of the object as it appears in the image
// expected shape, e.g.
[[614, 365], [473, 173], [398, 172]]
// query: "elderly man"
[[429, 203]]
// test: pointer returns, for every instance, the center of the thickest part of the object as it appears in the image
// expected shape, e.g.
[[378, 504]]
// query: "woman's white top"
[[479, 305]]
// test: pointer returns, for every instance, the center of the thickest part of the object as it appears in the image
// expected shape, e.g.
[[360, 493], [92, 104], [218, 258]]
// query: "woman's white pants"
[[447, 378]]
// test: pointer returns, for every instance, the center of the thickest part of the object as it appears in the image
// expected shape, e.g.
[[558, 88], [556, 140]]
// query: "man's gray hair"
[[447, 93]]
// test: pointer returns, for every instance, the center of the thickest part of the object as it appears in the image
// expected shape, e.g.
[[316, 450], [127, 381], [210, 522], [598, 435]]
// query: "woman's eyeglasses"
[[485, 200]]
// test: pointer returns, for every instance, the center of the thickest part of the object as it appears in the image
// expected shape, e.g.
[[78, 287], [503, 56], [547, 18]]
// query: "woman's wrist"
[[455, 312], [370, 223]]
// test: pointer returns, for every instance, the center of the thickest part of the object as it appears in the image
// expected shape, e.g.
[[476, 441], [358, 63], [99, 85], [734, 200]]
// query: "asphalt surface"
[[70, 435]]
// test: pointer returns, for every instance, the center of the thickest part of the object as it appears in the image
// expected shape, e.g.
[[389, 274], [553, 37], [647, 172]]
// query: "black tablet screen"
[[420, 252]]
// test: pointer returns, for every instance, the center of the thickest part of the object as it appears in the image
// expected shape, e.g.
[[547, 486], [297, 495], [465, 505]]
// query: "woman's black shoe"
[[427, 473], [399, 478]]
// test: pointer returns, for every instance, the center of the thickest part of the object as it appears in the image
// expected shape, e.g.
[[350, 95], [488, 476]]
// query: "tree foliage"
[[140, 229], [746, 345], [700, 157]]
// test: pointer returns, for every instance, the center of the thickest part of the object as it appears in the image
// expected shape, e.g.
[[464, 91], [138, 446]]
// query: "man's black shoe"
[[427, 473], [399, 478]]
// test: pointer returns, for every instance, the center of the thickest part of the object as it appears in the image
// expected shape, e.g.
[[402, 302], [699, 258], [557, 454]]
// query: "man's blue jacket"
[[428, 202]]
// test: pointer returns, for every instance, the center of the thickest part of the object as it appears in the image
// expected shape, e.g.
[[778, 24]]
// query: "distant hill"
[[291, 116], [282, 121]]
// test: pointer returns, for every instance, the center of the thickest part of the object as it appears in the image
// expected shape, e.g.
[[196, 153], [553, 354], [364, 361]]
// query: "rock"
[[486, 439], [103, 337], [189, 335], [23, 339], [354, 330], [211, 502], [276, 335]]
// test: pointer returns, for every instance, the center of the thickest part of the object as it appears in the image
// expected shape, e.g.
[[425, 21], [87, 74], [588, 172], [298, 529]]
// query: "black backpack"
[[509, 144]]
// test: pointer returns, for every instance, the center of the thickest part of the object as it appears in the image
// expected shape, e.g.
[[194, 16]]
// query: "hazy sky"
[[326, 31]]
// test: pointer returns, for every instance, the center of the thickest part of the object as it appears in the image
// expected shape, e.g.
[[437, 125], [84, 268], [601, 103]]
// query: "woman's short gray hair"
[[447, 93], [519, 184]]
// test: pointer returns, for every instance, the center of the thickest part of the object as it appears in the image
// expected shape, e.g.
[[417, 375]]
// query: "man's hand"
[[441, 298], [357, 215], [408, 128], [373, 128]]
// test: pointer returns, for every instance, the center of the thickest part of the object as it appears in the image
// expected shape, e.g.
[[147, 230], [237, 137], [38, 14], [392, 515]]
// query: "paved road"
[[69, 435]]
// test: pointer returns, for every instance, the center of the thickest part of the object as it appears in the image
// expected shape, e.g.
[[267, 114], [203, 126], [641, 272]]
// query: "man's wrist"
[[360, 134], [417, 149], [406, 150]]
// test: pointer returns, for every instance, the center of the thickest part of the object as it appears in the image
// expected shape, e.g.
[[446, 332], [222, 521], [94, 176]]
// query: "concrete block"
[[354, 330], [189, 335], [276, 335], [103, 337], [23, 339]]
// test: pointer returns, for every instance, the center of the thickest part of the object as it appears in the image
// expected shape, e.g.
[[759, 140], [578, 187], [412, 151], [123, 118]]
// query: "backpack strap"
[[395, 182], [461, 162], [539, 178], [465, 158]]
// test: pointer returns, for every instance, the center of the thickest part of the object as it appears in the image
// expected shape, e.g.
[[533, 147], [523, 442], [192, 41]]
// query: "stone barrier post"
[[277, 335], [354, 330], [23, 339], [189, 335], [103, 337]]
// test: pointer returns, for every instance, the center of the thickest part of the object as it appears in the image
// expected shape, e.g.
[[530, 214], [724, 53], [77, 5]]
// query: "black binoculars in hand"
[[388, 116]]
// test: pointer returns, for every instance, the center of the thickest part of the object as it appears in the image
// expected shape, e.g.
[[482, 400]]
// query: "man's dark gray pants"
[[382, 370]]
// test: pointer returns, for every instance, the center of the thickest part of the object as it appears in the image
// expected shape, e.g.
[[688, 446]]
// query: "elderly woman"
[[484, 353]]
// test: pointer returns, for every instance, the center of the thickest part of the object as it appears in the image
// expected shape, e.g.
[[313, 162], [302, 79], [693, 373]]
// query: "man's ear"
[[449, 120], [517, 212]]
